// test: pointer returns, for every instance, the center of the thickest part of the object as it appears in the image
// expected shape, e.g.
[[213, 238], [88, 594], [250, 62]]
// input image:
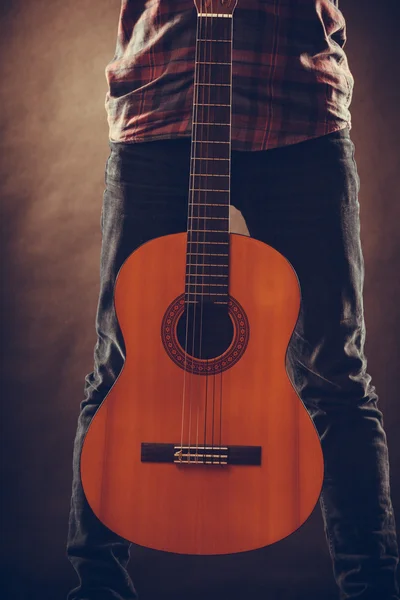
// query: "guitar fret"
[[213, 84], [198, 158], [215, 15], [211, 218], [199, 294], [196, 302], [203, 104], [224, 285], [205, 242], [209, 265], [209, 142], [207, 190], [206, 204], [217, 275], [219, 124], [203, 40], [207, 62], [209, 231]]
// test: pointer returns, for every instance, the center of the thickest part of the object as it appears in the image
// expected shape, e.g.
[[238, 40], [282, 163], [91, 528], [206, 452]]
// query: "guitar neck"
[[210, 165]]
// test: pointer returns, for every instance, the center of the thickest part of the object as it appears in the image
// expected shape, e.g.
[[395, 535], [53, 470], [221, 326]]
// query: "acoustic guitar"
[[202, 446]]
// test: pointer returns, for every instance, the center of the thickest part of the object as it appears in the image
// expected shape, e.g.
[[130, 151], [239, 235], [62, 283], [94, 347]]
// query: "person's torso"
[[290, 75]]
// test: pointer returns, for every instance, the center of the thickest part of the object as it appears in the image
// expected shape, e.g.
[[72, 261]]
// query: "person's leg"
[[145, 197], [303, 201]]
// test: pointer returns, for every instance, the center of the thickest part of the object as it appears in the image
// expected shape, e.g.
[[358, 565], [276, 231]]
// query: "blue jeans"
[[303, 201]]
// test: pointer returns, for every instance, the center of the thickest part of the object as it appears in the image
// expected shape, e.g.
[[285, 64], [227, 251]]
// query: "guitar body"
[[245, 400]]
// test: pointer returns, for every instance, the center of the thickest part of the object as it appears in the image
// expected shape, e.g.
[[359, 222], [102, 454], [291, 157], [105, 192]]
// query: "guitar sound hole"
[[207, 328]]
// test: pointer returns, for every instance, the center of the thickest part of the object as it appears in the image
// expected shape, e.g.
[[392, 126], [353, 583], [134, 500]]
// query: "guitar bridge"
[[206, 455], [201, 455]]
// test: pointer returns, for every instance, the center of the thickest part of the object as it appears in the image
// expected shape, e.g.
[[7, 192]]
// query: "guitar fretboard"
[[209, 196]]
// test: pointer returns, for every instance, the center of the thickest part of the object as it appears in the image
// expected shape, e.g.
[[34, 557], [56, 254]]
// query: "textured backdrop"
[[53, 151]]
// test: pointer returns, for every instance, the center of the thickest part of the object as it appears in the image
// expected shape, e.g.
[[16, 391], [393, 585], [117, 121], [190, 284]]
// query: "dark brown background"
[[53, 150]]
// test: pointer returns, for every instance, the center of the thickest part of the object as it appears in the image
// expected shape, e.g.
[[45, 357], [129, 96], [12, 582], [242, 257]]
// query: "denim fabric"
[[303, 201]]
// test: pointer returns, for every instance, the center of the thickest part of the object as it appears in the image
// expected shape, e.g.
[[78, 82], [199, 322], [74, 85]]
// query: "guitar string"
[[202, 35], [199, 220], [224, 32], [214, 374], [210, 106], [188, 275], [219, 32], [230, 61], [218, 71], [209, 55], [206, 119], [201, 239], [205, 31], [206, 111], [211, 37], [193, 305], [214, 360], [201, 231]]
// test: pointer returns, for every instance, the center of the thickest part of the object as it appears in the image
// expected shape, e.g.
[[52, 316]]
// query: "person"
[[294, 178]]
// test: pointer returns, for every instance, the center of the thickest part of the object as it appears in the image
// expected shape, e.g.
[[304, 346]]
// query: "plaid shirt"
[[290, 75]]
